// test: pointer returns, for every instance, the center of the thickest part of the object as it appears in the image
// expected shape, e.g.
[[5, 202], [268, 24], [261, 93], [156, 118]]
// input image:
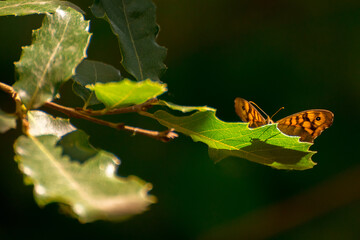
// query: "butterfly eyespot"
[[318, 118], [243, 108]]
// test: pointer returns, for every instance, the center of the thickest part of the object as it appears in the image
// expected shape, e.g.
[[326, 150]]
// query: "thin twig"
[[136, 108], [6, 88], [164, 136], [75, 114], [20, 110]]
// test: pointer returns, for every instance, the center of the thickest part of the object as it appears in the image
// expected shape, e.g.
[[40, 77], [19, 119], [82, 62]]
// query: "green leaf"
[[25, 7], [91, 72], [265, 145], [185, 109], [89, 191], [7, 121], [127, 92], [133, 22], [41, 123], [58, 47]]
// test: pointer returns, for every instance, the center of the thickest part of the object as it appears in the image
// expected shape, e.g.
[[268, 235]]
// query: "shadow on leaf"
[[267, 154], [76, 145]]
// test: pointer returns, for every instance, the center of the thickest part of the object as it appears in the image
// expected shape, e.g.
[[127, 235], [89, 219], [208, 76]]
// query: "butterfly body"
[[307, 124]]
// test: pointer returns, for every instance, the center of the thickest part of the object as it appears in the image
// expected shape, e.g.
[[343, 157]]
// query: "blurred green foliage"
[[296, 54]]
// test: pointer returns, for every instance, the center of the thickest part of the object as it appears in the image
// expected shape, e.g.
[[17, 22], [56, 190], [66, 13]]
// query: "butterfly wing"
[[306, 124], [248, 113]]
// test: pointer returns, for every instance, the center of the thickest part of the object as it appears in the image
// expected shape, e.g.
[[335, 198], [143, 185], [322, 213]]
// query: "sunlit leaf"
[[133, 22], [184, 109], [91, 190], [25, 7], [91, 72], [66, 169], [265, 145], [7, 121], [41, 123], [127, 92], [58, 47]]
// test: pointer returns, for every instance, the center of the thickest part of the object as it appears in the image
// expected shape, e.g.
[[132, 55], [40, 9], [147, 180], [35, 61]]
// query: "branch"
[[136, 108], [164, 136], [20, 110]]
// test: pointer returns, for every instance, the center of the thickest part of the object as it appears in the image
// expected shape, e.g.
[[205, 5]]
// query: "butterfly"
[[307, 124]]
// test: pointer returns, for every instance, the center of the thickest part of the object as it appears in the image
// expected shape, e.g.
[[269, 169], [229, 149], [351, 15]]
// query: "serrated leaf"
[[41, 123], [7, 121], [127, 92], [25, 7], [58, 47], [133, 22], [91, 72], [90, 190], [265, 145]]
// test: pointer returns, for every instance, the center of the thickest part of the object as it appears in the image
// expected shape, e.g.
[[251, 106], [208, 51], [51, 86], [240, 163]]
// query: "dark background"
[[296, 54]]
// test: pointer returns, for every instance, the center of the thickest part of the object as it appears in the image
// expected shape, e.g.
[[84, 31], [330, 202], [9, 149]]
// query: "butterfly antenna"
[[260, 109], [277, 112]]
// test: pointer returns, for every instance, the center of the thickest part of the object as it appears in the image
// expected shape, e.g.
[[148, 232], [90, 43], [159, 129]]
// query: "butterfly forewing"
[[307, 124], [248, 113]]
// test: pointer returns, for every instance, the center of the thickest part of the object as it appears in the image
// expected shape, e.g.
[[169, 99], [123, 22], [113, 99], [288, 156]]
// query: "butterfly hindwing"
[[307, 124]]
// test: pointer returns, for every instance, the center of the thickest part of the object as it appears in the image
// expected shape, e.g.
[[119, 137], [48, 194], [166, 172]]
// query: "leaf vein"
[[55, 51], [132, 41]]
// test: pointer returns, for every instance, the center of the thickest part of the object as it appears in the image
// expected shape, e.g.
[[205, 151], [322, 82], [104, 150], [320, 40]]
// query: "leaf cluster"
[[58, 159]]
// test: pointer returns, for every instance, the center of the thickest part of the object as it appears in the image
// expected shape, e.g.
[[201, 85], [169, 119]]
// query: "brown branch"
[[6, 88], [20, 110], [164, 136], [136, 108]]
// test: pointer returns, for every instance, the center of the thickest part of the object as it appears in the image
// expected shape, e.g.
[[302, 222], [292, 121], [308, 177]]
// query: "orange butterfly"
[[307, 124]]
